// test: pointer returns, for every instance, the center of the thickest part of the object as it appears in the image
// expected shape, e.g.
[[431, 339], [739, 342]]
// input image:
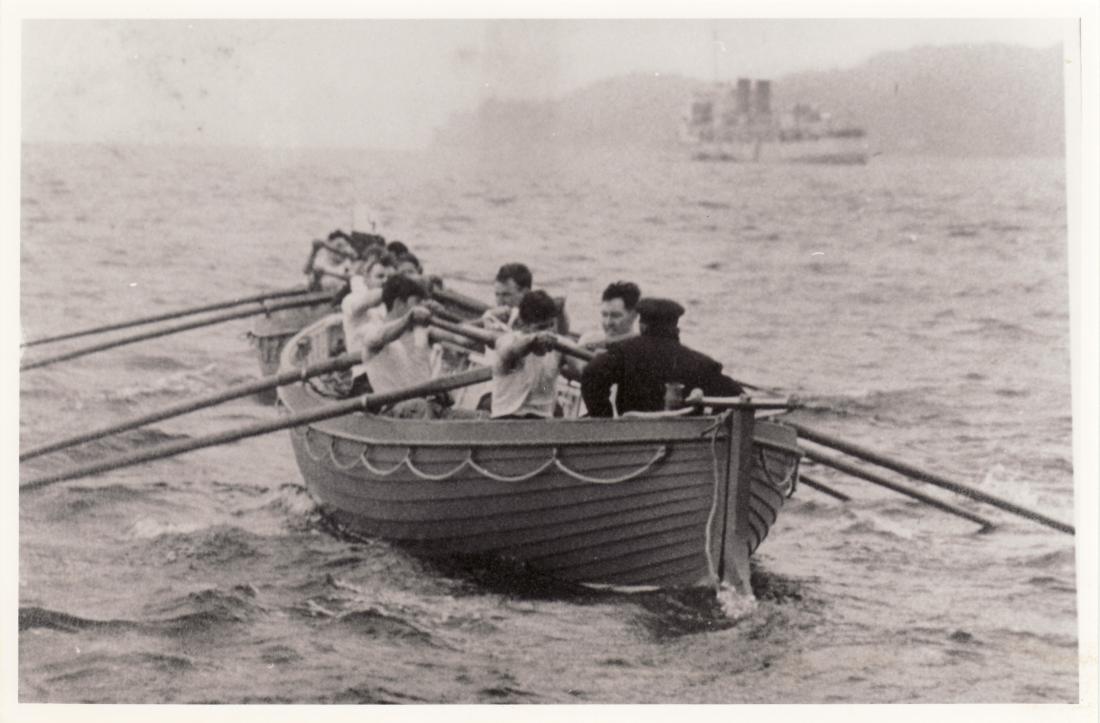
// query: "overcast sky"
[[389, 83]]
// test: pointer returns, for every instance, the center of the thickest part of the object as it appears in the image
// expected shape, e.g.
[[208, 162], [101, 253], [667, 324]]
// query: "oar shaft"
[[489, 337], [741, 403], [896, 487], [339, 409], [170, 315], [483, 336], [461, 300], [813, 483], [305, 300], [925, 476], [241, 390], [332, 274]]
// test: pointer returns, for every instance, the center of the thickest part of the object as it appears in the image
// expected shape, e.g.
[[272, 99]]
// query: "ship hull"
[[839, 151]]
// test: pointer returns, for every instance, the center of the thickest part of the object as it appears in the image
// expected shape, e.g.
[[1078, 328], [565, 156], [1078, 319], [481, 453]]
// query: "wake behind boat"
[[664, 501]]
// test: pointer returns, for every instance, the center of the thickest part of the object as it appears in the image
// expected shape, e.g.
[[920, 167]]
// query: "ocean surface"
[[919, 306]]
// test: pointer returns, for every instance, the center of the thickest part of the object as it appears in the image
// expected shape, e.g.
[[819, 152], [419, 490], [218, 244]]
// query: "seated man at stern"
[[525, 371], [641, 366], [618, 314]]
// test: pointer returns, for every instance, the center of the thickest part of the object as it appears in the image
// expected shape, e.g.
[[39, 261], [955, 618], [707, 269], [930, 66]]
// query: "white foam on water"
[[736, 605], [147, 528]]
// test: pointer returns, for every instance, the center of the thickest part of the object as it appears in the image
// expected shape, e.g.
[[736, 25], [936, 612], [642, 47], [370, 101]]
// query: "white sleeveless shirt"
[[405, 361], [529, 388]]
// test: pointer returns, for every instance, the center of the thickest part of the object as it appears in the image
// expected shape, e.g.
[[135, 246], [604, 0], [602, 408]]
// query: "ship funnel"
[[763, 104], [743, 90]]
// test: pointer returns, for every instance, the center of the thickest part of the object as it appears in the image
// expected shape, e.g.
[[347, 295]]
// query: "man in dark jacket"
[[642, 365]]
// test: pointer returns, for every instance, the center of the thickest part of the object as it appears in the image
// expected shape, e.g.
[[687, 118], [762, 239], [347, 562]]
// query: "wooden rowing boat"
[[668, 501], [271, 331]]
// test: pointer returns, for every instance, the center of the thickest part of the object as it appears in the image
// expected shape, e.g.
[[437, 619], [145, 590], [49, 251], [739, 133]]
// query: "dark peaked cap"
[[659, 312]]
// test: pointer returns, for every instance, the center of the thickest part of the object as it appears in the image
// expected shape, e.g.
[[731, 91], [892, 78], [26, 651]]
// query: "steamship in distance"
[[727, 122]]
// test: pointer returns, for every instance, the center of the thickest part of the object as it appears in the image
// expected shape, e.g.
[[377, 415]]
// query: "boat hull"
[[271, 332], [666, 502]]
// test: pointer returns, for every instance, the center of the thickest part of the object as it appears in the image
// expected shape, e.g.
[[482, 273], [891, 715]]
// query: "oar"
[[779, 402], [304, 300], [900, 488], [241, 390], [822, 487], [461, 300], [364, 403], [925, 476], [332, 274], [488, 337], [294, 291]]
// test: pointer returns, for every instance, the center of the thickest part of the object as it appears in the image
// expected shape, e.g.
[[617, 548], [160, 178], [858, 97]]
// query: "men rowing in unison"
[[641, 366], [631, 375]]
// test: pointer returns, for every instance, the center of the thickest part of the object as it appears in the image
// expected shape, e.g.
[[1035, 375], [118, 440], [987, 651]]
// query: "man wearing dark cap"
[[641, 366]]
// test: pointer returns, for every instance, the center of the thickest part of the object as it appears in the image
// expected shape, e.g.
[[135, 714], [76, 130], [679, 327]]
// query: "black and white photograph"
[[368, 357]]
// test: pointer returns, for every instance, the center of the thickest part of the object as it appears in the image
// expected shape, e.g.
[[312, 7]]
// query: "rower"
[[363, 305], [396, 348], [526, 367], [641, 366], [512, 282], [409, 265], [330, 267]]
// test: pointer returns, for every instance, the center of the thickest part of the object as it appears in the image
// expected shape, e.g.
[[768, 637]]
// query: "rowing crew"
[[388, 308]]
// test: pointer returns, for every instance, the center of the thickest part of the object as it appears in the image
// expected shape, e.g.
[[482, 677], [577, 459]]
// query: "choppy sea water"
[[919, 305]]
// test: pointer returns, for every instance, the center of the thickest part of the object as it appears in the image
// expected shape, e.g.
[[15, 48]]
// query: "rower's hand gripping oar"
[[488, 338], [365, 403]]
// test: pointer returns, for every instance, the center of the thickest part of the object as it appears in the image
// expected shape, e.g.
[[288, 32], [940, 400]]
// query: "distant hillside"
[[956, 100]]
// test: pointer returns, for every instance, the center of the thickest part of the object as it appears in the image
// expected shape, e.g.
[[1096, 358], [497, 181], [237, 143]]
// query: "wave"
[[877, 527], [206, 611], [155, 362], [1057, 559], [31, 617], [375, 623], [290, 502], [80, 501], [216, 545], [185, 382], [128, 441], [908, 403]]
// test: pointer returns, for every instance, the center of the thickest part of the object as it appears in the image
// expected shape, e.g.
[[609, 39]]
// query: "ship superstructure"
[[735, 122]]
